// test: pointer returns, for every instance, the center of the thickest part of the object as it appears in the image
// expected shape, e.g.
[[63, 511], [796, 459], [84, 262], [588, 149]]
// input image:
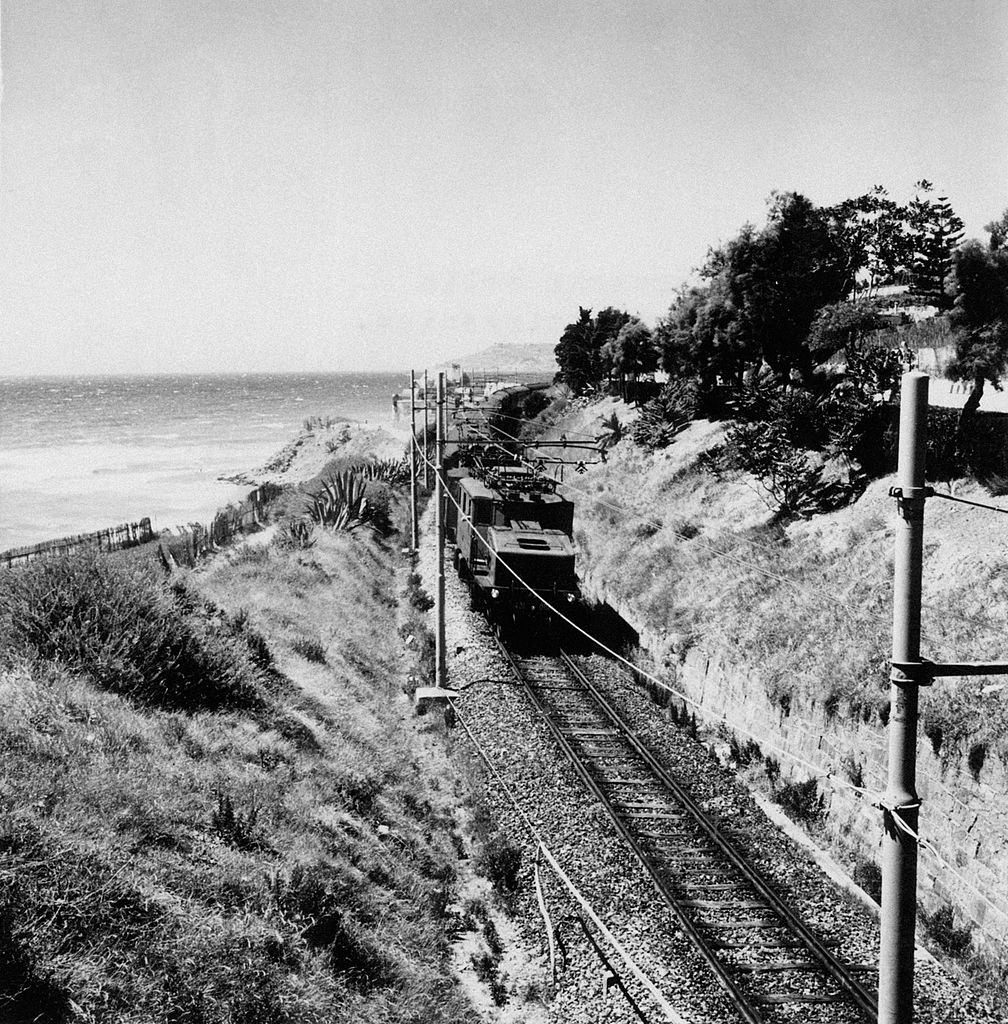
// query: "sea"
[[82, 453]]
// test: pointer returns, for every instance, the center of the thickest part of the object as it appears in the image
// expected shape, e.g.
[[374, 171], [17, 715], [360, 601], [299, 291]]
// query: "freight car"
[[512, 529]]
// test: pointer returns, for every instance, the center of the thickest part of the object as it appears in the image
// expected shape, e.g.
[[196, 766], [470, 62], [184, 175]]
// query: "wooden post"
[[439, 497]]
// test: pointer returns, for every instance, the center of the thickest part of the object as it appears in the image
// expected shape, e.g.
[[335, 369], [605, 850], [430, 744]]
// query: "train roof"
[[516, 492]]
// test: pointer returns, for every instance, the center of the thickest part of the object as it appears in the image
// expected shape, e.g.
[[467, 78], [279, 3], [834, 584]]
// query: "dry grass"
[[808, 611], [288, 862]]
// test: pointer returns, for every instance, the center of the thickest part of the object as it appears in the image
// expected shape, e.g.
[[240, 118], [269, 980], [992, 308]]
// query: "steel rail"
[[738, 998], [835, 968]]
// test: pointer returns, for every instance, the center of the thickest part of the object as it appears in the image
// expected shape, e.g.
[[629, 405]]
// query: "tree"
[[871, 230], [608, 323], [841, 325], [778, 278], [632, 352], [935, 230], [978, 287], [580, 352], [998, 231], [575, 353], [702, 337]]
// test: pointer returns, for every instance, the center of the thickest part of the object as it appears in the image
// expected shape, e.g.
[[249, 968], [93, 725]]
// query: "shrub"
[[493, 939], [259, 649], [234, 827], [338, 502], [474, 912], [313, 423], [535, 403], [500, 861], [250, 554], [122, 626], [788, 482], [976, 758], [941, 927], [744, 754], [613, 431], [849, 408], [801, 800], [26, 993], [390, 471], [484, 965], [297, 534], [309, 648], [853, 769], [662, 418], [417, 596], [868, 875]]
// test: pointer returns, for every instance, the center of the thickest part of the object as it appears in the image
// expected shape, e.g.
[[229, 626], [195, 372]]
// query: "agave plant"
[[298, 533], [340, 503], [391, 471]]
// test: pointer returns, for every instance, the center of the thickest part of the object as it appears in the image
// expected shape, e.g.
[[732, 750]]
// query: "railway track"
[[768, 962]]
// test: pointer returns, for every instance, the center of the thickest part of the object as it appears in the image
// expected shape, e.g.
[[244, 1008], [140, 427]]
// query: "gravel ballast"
[[598, 861]]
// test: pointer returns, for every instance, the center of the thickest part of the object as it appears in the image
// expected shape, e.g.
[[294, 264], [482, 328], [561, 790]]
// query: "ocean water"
[[82, 453]]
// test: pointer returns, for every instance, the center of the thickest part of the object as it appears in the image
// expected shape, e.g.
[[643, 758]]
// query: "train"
[[512, 539]]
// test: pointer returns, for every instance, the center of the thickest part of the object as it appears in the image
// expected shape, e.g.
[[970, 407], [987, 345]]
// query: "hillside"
[[781, 632], [215, 804], [520, 358]]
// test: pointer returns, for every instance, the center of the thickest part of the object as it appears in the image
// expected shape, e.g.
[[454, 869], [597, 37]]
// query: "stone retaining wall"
[[965, 818]]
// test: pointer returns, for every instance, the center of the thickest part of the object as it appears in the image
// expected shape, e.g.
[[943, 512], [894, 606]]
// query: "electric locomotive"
[[512, 532]]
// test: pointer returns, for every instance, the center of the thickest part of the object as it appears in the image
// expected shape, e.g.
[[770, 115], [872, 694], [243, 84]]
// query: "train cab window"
[[481, 513], [533, 543]]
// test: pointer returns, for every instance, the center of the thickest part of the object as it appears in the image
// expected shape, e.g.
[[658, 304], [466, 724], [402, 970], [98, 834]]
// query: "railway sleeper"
[[578, 730], [754, 924], [793, 965], [781, 998], [763, 943], [725, 904]]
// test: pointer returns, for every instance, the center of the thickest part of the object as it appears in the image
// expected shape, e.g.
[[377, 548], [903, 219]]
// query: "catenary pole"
[[414, 534], [439, 414], [899, 845], [426, 431]]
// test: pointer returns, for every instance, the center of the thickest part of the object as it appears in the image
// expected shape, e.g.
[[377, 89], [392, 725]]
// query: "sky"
[[205, 185]]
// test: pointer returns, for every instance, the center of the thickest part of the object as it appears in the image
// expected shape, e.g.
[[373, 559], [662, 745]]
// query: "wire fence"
[[181, 545], [112, 538]]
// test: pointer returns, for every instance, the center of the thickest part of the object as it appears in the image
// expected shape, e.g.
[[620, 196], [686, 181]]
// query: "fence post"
[[899, 847], [414, 536], [439, 497]]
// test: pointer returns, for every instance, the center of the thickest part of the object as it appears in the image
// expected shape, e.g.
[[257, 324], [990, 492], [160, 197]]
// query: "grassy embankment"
[[699, 562], [210, 807]]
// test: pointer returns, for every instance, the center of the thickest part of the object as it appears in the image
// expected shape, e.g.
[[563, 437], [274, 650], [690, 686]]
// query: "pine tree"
[[935, 231]]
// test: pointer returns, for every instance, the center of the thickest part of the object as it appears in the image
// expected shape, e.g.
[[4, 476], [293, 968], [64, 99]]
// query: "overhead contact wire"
[[873, 798]]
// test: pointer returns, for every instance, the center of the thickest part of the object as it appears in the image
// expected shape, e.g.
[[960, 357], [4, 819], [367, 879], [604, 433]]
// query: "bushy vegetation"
[[801, 800], [535, 402], [199, 825], [130, 631], [500, 861], [786, 332], [664, 416], [942, 929], [346, 496], [313, 423]]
